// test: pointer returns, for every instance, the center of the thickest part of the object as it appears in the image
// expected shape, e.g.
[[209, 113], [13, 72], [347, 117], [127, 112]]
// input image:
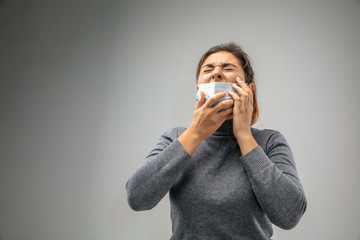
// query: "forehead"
[[221, 57]]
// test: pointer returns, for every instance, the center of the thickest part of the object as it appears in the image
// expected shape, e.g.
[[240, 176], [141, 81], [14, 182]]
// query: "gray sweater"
[[217, 193]]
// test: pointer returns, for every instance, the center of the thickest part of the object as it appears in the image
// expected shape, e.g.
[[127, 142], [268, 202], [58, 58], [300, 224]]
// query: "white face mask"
[[212, 88]]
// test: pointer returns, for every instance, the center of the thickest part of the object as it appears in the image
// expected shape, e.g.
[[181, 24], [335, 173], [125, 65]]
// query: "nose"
[[217, 76]]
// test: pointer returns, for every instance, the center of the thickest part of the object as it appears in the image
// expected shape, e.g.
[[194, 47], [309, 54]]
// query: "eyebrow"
[[224, 65]]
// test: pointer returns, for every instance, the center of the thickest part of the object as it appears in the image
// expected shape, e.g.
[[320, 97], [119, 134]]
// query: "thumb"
[[201, 101]]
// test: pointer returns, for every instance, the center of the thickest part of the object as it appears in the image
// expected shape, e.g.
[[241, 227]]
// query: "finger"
[[244, 95], [234, 96], [227, 115], [210, 102], [225, 112], [201, 100], [240, 90], [243, 85], [224, 104]]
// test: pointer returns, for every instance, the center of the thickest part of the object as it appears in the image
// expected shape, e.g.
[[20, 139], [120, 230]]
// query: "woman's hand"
[[243, 108], [206, 120], [242, 115]]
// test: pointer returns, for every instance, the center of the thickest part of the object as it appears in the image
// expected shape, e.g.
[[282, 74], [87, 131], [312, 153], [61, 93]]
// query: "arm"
[[275, 182], [272, 175], [154, 178]]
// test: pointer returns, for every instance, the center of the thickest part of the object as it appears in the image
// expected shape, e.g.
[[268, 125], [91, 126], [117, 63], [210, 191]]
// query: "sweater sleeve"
[[275, 181], [158, 173]]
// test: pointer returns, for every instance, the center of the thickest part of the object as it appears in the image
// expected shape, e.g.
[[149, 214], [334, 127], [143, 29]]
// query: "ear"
[[197, 87], [252, 87]]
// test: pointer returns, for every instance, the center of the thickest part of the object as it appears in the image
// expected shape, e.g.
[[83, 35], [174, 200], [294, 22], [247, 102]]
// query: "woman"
[[226, 180]]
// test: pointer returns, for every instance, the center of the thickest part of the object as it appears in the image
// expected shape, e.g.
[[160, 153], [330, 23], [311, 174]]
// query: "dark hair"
[[245, 63]]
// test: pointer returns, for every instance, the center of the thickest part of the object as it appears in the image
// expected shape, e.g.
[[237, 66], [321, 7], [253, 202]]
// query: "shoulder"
[[169, 136], [173, 133], [265, 133], [268, 138]]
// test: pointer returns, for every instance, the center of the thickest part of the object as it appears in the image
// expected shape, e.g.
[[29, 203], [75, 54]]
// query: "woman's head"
[[225, 62]]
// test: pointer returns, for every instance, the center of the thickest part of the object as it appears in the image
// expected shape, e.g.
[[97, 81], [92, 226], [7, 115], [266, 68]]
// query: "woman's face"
[[221, 67]]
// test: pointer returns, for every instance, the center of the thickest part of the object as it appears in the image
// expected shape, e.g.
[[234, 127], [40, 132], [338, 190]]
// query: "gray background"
[[87, 87]]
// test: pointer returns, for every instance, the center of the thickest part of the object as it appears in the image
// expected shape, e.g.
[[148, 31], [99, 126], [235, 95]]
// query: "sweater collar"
[[226, 129]]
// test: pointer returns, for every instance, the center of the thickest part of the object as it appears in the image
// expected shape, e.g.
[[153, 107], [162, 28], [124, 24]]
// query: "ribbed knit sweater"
[[218, 193]]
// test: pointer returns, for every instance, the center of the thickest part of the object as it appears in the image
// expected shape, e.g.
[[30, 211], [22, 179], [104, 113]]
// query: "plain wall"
[[87, 88]]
